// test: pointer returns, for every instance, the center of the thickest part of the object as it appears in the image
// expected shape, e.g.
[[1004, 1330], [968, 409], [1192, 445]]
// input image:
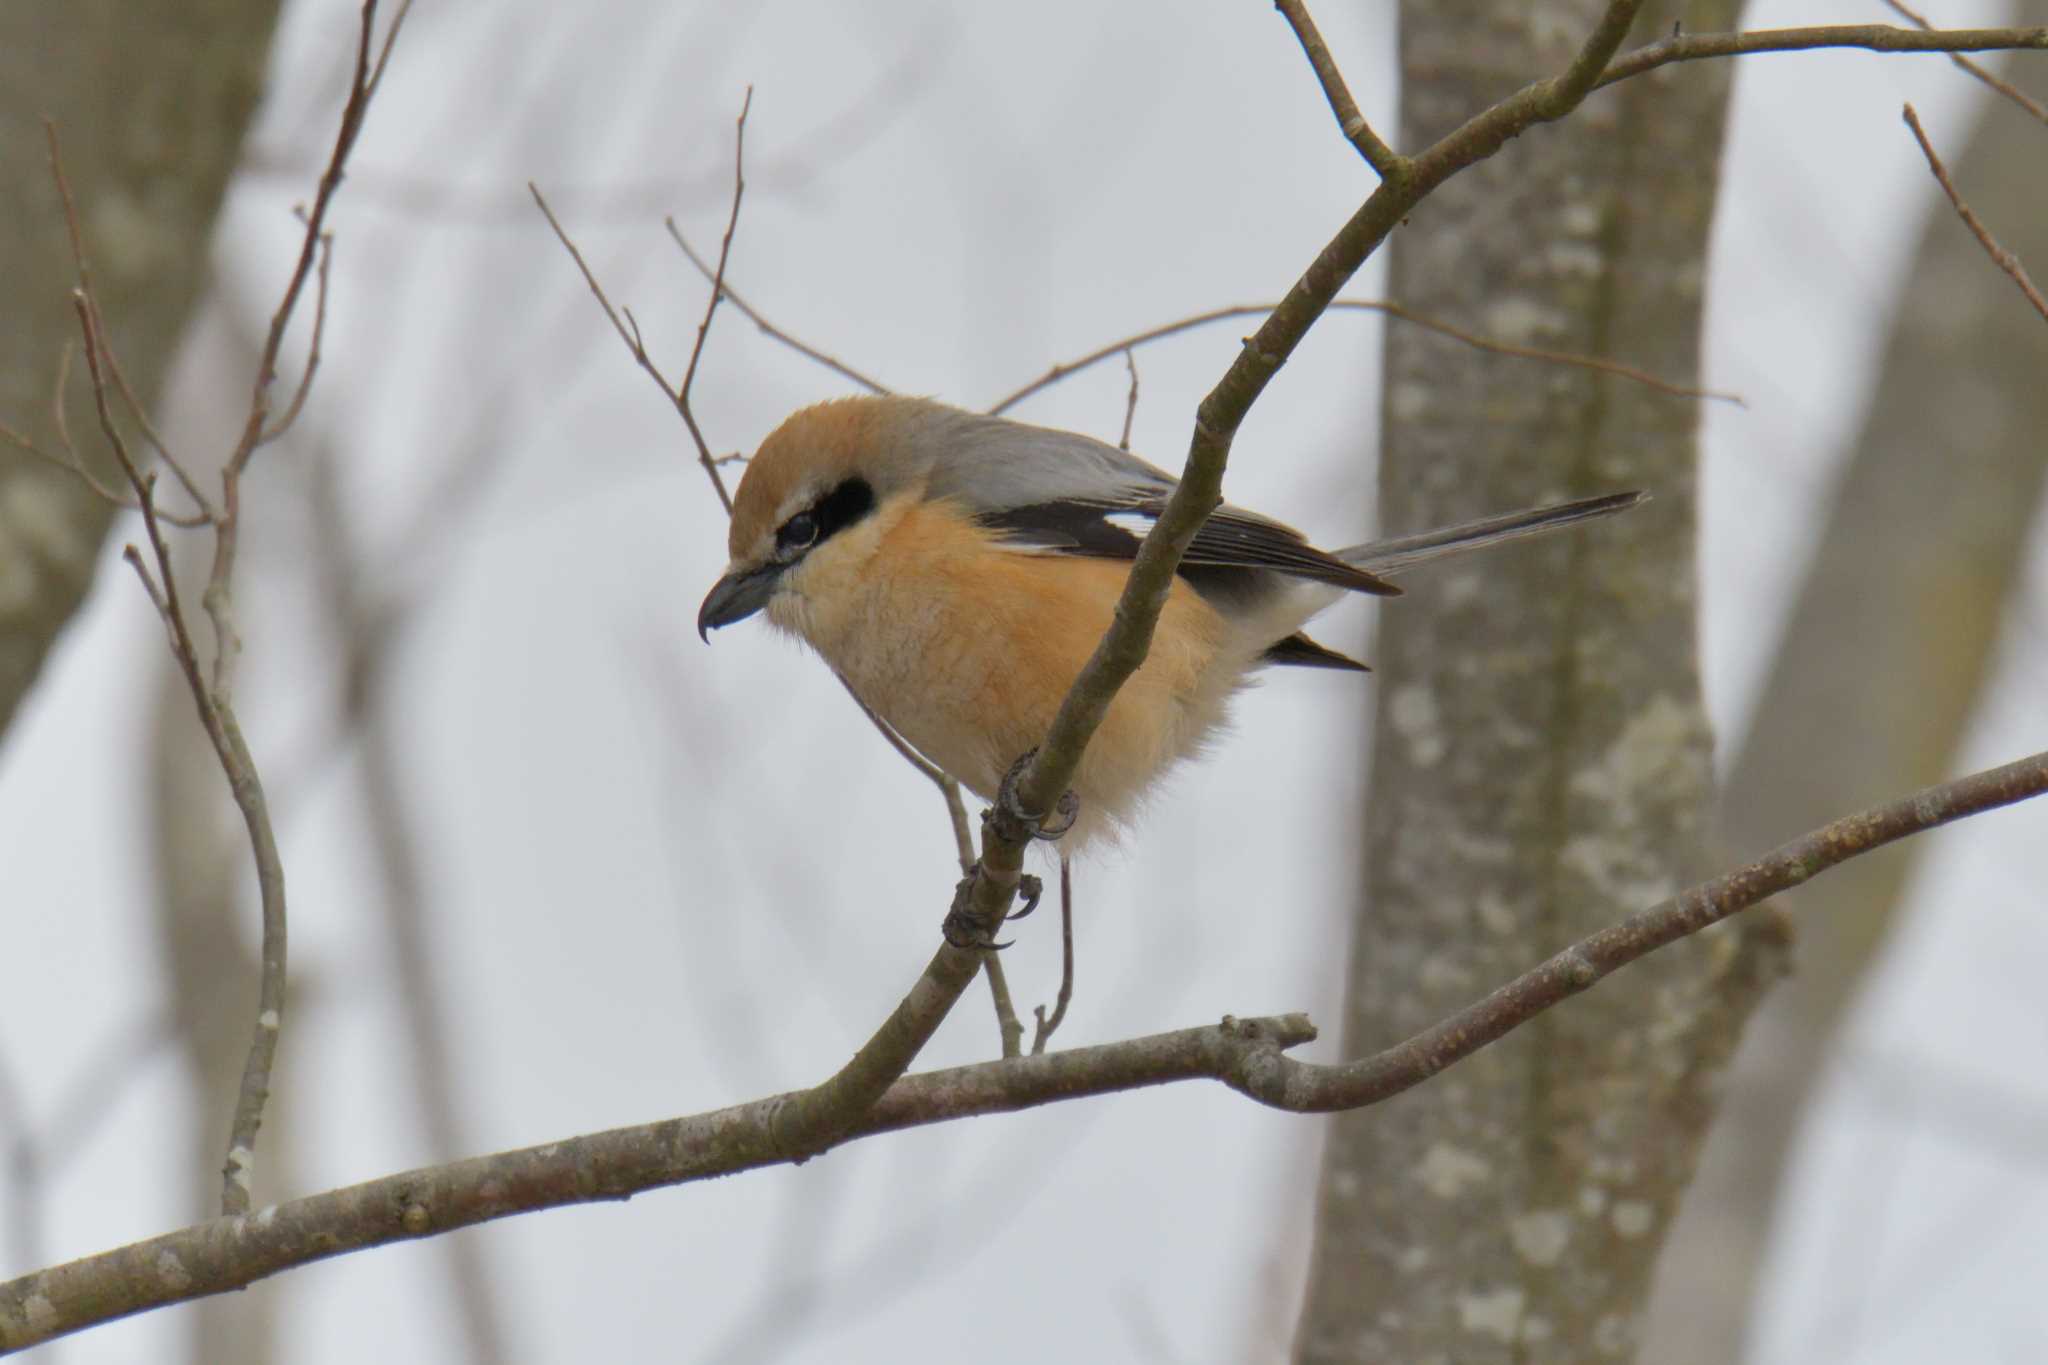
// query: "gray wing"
[[1054, 491]]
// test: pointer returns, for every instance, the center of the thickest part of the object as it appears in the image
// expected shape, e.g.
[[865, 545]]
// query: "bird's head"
[[811, 506]]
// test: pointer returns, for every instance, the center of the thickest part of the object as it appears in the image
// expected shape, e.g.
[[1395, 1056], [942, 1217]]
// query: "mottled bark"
[[1541, 765], [1892, 640], [151, 102]]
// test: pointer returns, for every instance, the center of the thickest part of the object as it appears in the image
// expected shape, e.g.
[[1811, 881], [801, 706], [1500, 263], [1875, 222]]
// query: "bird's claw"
[[1065, 811], [1030, 889]]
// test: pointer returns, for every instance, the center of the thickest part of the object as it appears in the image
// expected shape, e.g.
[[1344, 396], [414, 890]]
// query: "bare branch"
[[1694, 47], [1008, 1025], [863, 1100], [1200, 490], [76, 468], [1067, 369], [362, 85], [2005, 88], [1313, 1089], [628, 327], [767, 328], [631, 336], [2004, 259], [135, 406], [103, 356], [1130, 401], [1350, 122], [298, 403], [213, 698], [384, 52], [1048, 1025], [732, 222]]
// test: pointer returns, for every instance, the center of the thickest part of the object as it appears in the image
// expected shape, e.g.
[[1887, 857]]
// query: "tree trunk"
[[1541, 762]]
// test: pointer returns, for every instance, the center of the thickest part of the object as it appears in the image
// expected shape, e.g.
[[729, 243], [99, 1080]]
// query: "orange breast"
[[968, 649]]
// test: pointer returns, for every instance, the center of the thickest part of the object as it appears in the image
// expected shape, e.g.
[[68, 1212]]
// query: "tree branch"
[[767, 328], [2002, 258], [1695, 47], [1200, 491], [1350, 122], [1066, 369], [2005, 88], [212, 695], [867, 1097]]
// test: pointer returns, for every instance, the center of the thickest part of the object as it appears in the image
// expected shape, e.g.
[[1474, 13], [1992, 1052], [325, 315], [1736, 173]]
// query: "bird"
[[957, 570]]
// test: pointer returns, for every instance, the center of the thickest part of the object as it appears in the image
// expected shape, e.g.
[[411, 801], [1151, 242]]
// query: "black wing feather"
[[1230, 539]]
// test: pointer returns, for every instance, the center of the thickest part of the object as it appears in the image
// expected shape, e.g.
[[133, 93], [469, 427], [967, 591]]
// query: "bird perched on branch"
[[957, 571]]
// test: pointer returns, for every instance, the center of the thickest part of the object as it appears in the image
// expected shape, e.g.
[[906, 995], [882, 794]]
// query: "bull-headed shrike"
[[957, 571]]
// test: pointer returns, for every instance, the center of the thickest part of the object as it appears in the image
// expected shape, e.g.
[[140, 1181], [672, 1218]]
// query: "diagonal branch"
[[1200, 491], [2004, 259], [1052, 765]]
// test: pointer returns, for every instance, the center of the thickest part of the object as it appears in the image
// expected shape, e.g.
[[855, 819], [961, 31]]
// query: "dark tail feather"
[[1390, 556]]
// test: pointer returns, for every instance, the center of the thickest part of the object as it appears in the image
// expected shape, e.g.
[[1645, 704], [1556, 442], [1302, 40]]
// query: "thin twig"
[[107, 358], [2005, 260], [384, 52], [298, 402], [1067, 369], [1350, 122], [732, 222], [254, 1092], [256, 427], [1249, 1055], [1695, 47], [1981, 72], [949, 790], [631, 336], [1048, 1026], [1008, 1026], [362, 84], [1007, 1023], [213, 698], [1130, 400], [628, 327], [106, 492], [767, 328]]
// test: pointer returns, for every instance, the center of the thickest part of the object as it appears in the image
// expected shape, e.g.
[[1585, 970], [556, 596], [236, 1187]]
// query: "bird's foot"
[[963, 926], [1065, 811]]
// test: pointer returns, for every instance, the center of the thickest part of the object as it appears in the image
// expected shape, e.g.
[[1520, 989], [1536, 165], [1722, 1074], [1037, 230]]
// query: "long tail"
[[1389, 556]]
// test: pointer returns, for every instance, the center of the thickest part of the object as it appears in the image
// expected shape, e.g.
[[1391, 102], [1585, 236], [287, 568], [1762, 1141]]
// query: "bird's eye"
[[798, 533]]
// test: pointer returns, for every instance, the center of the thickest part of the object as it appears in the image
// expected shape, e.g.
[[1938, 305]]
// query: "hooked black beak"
[[735, 597]]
